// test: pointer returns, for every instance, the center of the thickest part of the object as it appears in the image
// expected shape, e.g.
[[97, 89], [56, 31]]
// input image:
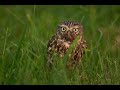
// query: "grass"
[[26, 30]]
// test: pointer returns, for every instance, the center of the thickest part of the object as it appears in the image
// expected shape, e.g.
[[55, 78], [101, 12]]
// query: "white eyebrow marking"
[[64, 26]]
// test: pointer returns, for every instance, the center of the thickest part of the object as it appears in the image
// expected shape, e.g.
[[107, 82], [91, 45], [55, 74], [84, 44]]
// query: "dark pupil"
[[63, 28]]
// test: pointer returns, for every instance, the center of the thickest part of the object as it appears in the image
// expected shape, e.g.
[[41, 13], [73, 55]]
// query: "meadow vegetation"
[[26, 30]]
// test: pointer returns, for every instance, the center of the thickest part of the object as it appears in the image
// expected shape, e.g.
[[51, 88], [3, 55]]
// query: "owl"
[[66, 33]]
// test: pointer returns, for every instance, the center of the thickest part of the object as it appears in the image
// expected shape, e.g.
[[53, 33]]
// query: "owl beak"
[[71, 37]]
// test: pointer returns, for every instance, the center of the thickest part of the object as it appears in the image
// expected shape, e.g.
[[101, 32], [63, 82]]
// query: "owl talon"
[[49, 64]]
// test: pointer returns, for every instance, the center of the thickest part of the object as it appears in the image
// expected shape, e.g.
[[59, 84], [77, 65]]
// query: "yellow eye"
[[63, 29], [75, 29]]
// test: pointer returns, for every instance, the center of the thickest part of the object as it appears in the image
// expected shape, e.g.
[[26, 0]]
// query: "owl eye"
[[63, 29], [75, 29]]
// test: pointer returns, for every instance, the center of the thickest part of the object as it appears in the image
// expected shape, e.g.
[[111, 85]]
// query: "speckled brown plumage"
[[67, 32]]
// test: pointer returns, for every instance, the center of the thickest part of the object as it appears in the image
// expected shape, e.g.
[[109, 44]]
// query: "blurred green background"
[[26, 29]]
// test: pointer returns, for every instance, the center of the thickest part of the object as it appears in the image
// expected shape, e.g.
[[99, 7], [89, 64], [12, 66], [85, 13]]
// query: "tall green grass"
[[26, 30]]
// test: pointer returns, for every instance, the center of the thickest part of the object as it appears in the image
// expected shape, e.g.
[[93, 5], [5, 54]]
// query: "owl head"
[[69, 30]]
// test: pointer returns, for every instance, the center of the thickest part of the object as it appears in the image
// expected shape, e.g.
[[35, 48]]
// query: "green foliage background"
[[25, 31]]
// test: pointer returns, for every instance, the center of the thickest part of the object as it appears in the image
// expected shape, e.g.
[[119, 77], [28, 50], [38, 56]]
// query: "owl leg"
[[49, 60]]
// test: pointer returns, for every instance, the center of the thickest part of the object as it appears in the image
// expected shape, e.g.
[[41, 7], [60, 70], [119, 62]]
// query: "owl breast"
[[58, 46], [77, 53]]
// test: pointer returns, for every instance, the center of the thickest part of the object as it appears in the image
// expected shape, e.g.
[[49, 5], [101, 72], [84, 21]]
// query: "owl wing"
[[50, 49]]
